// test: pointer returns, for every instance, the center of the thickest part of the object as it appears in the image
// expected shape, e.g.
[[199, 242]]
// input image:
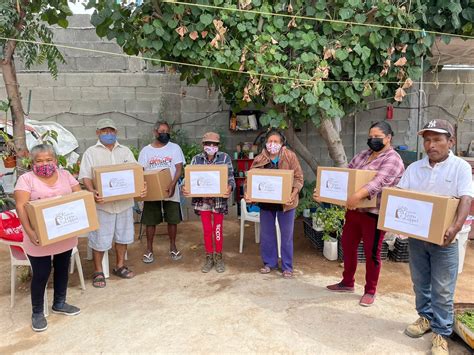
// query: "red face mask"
[[45, 170]]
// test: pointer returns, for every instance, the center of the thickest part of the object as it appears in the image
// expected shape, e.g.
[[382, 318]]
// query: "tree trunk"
[[13, 93], [301, 149], [333, 142]]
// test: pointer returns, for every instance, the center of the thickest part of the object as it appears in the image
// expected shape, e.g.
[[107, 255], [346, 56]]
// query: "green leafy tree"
[[27, 20], [332, 66]]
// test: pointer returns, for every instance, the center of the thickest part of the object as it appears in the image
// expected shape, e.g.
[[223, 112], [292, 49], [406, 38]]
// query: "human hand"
[[33, 237], [293, 197], [316, 196], [229, 190], [353, 201], [247, 198], [450, 235], [185, 191], [171, 189], [144, 191], [97, 198]]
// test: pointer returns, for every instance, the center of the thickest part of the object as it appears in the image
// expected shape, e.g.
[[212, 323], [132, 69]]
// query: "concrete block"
[[69, 66], [105, 79], [189, 105], [78, 79], [36, 106], [67, 93], [132, 106], [132, 80], [146, 119], [26, 80], [68, 120], [211, 105], [41, 93], [85, 106], [90, 93], [87, 64], [122, 93], [112, 106], [115, 64], [82, 132], [53, 107], [80, 20], [86, 143], [403, 127], [46, 80], [196, 92], [129, 142], [122, 120], [148, 94]]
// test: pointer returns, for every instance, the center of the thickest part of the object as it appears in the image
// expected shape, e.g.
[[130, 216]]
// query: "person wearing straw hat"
[[434, 268], [212, 208], [116, 217]]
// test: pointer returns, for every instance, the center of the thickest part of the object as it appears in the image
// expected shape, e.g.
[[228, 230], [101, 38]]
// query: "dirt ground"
[[173, 307]]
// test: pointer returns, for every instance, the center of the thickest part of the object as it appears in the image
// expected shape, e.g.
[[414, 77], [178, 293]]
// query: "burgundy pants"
[[361, 226]]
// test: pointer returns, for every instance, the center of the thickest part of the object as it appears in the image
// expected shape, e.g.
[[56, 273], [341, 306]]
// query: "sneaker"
[[367, 300], [66, 309], [440, 345], [340, 288], [208, 264], [418, 328], [219, 261], [39, 322]]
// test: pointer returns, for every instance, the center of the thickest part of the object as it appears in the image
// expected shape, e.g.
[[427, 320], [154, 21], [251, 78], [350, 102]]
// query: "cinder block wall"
[[133, 93]]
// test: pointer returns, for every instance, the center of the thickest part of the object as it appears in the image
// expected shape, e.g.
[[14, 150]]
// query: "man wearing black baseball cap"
[[434, 268]]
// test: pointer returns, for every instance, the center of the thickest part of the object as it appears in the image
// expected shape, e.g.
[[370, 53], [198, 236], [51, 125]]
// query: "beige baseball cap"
[[106, 123], [438, 126], [211, 137]]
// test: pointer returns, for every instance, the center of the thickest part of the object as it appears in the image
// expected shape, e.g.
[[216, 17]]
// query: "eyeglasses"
[[211, 143]]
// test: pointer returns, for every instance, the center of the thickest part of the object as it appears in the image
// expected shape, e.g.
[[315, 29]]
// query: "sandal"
[[98, 280], [148, 258], [265, 270], [123, 272], [287, 274], [175, 255]]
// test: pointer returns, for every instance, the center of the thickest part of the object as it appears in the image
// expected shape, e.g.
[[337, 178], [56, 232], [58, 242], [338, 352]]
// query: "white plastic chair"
[[255, 217], [19, 258], [105, 261]]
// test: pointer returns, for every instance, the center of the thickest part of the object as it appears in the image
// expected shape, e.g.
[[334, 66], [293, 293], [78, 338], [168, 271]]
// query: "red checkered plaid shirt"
[[389, 167]]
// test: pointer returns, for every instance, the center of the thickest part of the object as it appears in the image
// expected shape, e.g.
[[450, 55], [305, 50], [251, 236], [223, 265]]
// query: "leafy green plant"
[[467, 318], [306, 200], [314, 70], [135, 151], [332, 221], [190, 149], [9, 145]]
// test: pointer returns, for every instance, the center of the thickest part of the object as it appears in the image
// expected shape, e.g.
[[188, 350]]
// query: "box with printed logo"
[[336, 185], [206, 180], [58, 218], [157, 181], [119, 181], [270, 185], [417, 215]]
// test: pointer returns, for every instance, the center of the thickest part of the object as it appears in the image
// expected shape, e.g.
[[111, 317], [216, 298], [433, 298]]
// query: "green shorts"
[[155, 212]]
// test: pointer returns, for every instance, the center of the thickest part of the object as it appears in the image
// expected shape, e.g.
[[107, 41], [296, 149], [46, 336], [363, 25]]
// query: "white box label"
[[66, 218], [267, 187], [117, 183], [205, 182], [408, 216], [334, 184]]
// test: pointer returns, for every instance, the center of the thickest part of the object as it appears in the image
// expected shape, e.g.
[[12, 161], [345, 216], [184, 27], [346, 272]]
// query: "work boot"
[[440, 345], [219, 261], [39, 322], [418, 328], [208, 264]]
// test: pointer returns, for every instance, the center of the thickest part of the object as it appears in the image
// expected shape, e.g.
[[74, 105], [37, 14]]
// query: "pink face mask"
[[273, 148], [45, 170], [211, 149]]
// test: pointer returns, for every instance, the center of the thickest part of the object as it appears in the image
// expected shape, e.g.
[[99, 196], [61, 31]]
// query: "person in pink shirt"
[[45, 180]]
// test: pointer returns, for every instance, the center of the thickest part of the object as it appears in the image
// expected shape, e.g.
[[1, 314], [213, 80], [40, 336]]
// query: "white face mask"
[[273, 148], [211, 149]]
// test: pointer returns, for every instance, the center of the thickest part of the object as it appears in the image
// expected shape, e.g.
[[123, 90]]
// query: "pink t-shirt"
[[39, 190]]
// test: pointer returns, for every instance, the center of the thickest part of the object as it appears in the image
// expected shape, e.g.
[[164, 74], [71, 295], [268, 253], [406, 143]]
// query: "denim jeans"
[[434, 271]]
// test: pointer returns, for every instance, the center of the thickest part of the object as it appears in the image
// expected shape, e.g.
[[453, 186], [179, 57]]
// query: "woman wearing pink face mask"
[[277, 156], [212, 207], [46, 180]]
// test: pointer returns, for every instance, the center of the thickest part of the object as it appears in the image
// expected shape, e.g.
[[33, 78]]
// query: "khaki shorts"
[[156, 212], [117, 227]]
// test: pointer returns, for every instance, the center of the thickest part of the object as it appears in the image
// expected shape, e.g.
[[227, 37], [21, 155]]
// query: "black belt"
[[376, 238]]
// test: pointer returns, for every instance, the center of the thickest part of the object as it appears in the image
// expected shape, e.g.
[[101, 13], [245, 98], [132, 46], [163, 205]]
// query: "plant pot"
[[330, 249], [306, 213], [9, 161], [317, 224]]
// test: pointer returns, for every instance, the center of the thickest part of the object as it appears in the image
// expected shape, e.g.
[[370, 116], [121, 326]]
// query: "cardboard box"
[[336, 185], [119, 181], [206, 180], [58, 218], [157, 181], [417, 215], [270, 185]]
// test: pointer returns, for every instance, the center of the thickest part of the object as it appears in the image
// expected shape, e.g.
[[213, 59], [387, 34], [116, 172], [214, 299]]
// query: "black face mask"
[[163, 138], [376, 144]]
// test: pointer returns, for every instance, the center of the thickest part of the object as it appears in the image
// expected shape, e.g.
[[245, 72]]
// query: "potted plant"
[[332, 221], [9, 153], [306, 202]]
